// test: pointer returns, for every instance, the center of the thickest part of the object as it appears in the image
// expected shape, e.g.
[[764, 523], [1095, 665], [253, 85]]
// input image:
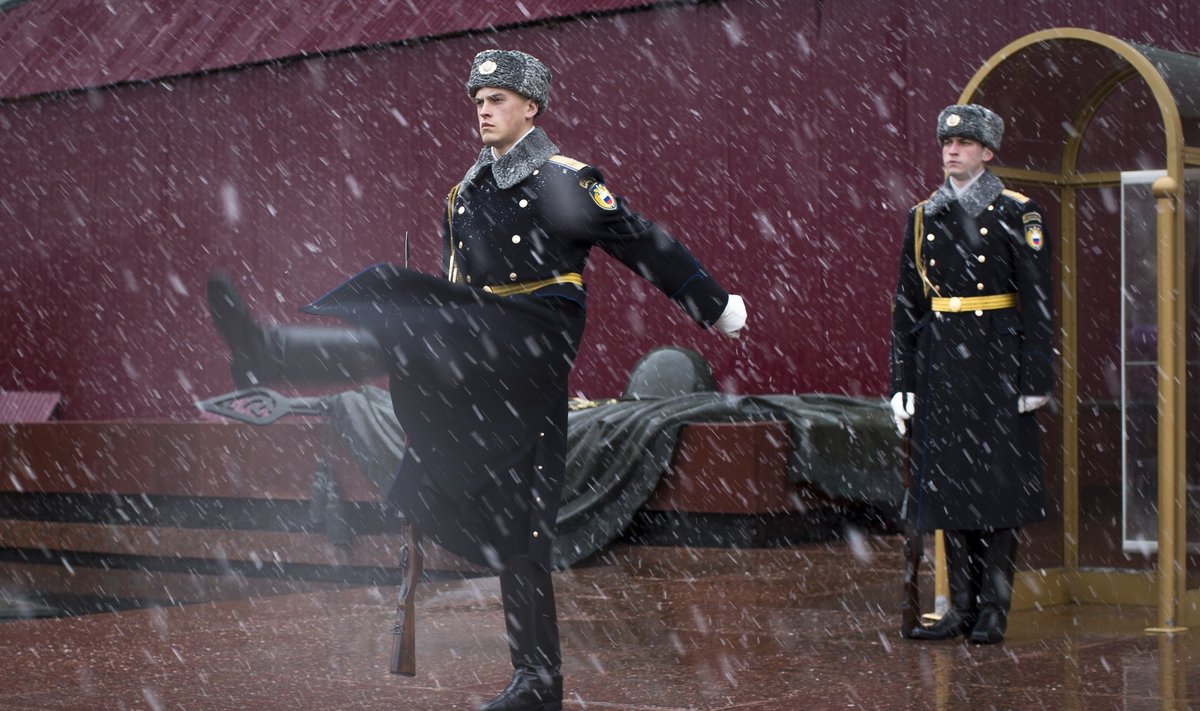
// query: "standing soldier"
[[479, 360], [972, 333]]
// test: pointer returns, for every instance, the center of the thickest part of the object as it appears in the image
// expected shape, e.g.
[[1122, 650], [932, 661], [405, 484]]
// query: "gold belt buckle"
[[955, 304]]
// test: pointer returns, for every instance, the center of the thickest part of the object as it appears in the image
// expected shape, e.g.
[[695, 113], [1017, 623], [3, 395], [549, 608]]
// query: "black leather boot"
[[531, 621], [299, 355], [531, 689], [953, 624], [991, 626], [995, 596], [960, 618]]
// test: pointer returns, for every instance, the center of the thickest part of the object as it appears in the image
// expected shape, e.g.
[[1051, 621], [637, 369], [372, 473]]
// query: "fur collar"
[[516, 165], [973, 202]]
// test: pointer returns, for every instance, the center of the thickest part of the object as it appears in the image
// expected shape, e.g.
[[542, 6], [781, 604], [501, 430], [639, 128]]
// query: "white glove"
[[733, 318], [902, 409], [1029, 403]]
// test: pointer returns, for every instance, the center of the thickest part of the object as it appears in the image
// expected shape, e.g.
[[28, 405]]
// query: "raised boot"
[[995, 595], [296, 355], [960, 618], [531, 689]]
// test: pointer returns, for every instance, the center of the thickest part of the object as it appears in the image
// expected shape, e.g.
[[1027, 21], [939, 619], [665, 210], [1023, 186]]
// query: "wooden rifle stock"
[[910, 602], [404, 633]]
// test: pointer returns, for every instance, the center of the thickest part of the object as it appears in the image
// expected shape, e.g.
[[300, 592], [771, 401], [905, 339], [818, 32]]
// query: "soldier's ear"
[[988, 154]]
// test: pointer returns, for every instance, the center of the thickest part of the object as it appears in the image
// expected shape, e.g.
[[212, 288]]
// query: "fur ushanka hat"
[[971, 121], [510, 69]]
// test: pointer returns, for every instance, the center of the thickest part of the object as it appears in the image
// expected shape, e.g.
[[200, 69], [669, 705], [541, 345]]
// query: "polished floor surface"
[[809, 627]]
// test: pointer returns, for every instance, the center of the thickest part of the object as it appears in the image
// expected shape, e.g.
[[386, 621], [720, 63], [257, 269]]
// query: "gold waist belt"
[[528, 287], [954, 304]]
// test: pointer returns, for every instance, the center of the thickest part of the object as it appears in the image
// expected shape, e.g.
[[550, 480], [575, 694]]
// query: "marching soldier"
[[972, 336], [519, 227]]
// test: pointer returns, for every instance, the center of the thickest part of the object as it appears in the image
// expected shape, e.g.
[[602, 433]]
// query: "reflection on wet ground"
[[806, 627]]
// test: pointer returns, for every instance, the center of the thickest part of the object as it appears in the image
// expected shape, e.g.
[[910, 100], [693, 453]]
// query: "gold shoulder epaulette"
[[568, 162], [1016, 196]]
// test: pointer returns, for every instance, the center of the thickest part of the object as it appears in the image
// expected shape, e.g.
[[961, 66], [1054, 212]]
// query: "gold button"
[[535, 534], [978, 312], [516, 239], [933, 262], [468, 278], [981, 259], [541, 434], [536, 172], [929, 236], [979, 286], [460, 244], [991, 207], [955, 304], [512, 276], [523, 203], [461, 209], [983, 230], [537, 499], [539, 467]]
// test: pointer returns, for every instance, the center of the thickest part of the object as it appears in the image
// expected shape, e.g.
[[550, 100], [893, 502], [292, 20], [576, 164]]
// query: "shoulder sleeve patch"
[[568, 162], [1016, 196], [1034, 237], [602, 197]]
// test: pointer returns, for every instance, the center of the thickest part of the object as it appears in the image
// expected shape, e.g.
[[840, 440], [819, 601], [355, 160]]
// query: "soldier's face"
[[963, 158], [504, 116]]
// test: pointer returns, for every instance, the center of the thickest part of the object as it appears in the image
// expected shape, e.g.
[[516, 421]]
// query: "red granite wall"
[[782, 141]]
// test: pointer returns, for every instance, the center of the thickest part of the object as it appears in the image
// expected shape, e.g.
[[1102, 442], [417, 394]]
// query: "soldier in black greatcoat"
[[972, 337], [478, 360]]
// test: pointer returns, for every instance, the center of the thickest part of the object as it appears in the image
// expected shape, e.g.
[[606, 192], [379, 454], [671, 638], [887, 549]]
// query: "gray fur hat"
[[971, 121], [510, 69]]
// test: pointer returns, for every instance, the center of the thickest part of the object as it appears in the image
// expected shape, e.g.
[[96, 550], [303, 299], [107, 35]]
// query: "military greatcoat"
[[479, 360], [975, 462]]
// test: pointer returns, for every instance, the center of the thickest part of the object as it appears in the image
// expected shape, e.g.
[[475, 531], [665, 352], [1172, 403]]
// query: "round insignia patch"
[[487, 67], [1033, 236], [953, 120], [602, 197]]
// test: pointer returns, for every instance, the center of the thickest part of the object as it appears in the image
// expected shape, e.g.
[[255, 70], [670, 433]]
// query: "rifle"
[[404, 633], [914, 544], [262, 406]]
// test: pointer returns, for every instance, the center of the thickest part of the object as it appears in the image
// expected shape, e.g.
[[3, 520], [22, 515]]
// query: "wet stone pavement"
[[808, 627]]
